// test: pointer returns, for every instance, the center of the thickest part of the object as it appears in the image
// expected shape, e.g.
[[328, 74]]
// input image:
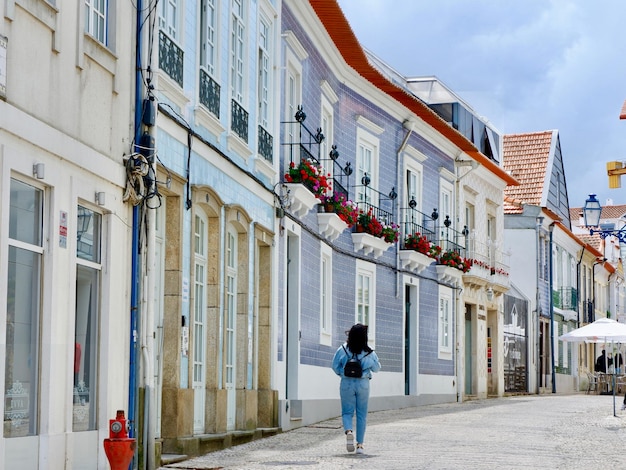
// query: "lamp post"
[[591, 214]]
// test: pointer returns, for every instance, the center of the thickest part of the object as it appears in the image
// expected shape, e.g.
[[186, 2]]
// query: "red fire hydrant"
[[119, 448]]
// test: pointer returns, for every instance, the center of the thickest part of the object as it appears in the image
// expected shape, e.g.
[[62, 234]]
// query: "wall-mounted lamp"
[[473, 163], [39, 170], [101, 198], [489, 294]]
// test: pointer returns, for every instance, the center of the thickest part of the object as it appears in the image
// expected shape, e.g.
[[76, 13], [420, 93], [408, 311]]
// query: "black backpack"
[[353, 368]]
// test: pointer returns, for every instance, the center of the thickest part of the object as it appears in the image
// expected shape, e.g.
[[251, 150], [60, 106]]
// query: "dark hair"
[[357, 339]]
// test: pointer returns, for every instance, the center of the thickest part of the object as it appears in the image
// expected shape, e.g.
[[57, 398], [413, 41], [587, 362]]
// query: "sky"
[[525, 66]]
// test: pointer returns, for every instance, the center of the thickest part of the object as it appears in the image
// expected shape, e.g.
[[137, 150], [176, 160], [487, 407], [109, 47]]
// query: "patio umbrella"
[[603, 330]]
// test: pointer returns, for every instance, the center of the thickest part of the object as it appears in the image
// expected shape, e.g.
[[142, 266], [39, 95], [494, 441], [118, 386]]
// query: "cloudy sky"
[[526, 66]]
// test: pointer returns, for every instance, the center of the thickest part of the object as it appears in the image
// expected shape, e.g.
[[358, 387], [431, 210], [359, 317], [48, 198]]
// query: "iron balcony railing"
[[266, 144], [239, 120], [170, 58], [487, 254], [565, 298], [304, 144], [416, 222], [209, 93]]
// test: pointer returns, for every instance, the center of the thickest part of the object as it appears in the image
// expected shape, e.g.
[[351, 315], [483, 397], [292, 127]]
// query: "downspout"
[[538, 227], [135, 255], [408, 126], [578, 287], [553, 371]]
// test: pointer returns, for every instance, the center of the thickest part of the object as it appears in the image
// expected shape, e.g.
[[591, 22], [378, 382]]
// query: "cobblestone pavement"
[[523, 432]]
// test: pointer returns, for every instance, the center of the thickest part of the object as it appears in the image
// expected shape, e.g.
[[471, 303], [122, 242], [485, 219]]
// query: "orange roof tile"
[[332, 18], [608, 212], [525, 158], [622, 114]]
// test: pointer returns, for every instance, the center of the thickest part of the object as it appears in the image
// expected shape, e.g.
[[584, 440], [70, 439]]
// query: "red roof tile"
[[525, 158]]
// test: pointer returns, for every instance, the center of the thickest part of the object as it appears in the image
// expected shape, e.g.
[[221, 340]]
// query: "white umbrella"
[[603, 330]]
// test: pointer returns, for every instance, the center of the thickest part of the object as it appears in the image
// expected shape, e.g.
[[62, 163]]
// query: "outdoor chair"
[[592, 384], [620, 383]]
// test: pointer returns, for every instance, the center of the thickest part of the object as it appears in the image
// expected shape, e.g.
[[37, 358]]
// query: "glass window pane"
[[25, 217], [85, 349], [88, 234], [22, 342]]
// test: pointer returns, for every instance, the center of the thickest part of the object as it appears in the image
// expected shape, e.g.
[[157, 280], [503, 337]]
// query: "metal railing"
[[415, 222], [565, 298], [266, 144], [239, 120], [170, 58], [209, 93]]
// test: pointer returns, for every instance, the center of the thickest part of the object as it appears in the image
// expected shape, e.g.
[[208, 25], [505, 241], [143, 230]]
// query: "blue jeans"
[[354, 395]]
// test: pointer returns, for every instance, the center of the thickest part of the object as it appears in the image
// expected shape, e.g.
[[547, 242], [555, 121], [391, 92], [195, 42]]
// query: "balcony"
[[266, 145], [239, 120], [330, 225], [369, 244], [300, 199], [414, 260], [489, 265], [209, 93], [565, 298], [170, 58]]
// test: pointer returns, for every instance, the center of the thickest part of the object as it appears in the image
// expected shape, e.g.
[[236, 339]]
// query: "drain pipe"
[[408, 125], [538, 227], [552, 364], [135, 255]]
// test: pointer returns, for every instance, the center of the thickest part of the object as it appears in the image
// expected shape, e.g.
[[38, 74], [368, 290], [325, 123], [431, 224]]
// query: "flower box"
[[415, 260], [301, 200], [330, 225], [369, 244]]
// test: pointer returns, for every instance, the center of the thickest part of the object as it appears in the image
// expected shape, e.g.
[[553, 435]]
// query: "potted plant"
[[311, 175], [391, 232], [453, 259], [421, 244], [368, 223]]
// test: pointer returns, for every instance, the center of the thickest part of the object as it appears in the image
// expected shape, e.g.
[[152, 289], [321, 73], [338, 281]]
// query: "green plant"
[[391, 232], [369, 223], [311, 175], [346, 210], [454, 260], [421, 244]]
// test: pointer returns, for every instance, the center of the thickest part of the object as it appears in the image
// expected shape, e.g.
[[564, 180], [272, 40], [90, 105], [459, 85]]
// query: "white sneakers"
[[349, 441], [359, 448]]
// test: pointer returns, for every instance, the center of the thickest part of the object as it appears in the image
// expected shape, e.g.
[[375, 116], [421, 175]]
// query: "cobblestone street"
[[521, 432]]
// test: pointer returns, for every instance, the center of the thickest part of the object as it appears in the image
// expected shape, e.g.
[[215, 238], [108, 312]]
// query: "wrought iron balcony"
[[239, 120], [414, 221], [170, 58], [565, 298], [209, 93], [589, 315], [266, 145]]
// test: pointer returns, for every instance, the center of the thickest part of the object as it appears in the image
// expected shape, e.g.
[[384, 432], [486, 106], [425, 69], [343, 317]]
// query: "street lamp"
[[591, 213]]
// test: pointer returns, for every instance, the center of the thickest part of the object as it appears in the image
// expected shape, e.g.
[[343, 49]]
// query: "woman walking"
[[354, 388]]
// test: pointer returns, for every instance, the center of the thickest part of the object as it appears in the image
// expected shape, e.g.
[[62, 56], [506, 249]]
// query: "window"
[[87, 319], [444, 325], [168, 17], [208, 56], [237, 50], [366, 296], [366, 162], [413, 187], [21, 394], [230, 309], [445, 209], [327, 131], [199, 319], [264, 72], [326, 294], [96, 19]]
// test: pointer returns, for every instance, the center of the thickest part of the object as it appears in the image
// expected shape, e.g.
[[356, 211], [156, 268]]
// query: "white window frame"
[[292, 99], [444, 323], [209, 47], [237, 49], [326, 294], [327, 125], [366, 271], [446, 207], [265, 66], [36, 248], [169, 18], [367, 158], [97, 19], [87, 389]]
